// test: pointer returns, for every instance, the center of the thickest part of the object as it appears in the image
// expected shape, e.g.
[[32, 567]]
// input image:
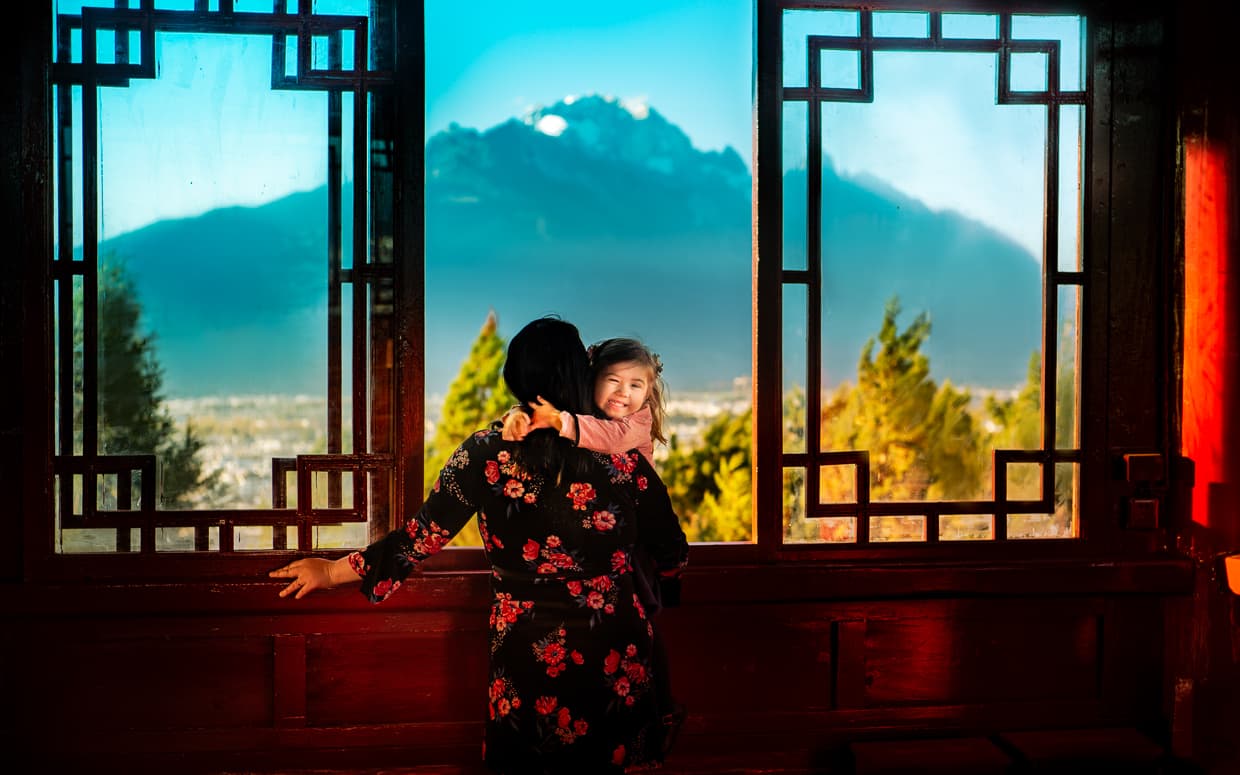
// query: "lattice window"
[[821, 65], [128, 315]]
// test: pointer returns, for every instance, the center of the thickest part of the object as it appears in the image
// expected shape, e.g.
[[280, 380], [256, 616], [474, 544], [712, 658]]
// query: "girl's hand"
[[516, 425], [308, 575], [545, 415]]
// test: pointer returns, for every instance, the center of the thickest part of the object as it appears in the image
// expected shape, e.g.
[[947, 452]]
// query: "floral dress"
[[571, 686]]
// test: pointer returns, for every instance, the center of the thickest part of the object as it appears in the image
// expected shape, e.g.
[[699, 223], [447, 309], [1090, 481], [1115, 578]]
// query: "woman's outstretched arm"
[[311, 573], [382, 567]]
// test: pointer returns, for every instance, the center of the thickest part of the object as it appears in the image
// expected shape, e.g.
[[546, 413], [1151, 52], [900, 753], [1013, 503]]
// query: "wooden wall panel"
[[1005, 656], [406, 683], [746, 659], [419, 674], [175, 683]]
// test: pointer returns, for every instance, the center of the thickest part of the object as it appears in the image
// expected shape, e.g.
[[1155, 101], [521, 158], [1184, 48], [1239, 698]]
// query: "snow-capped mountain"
[[603, 212]]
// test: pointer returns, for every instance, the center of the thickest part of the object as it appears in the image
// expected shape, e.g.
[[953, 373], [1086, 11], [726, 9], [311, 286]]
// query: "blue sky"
[[690, 59]]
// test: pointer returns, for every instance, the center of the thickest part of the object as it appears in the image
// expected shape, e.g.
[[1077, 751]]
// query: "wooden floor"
[[1047, 752]]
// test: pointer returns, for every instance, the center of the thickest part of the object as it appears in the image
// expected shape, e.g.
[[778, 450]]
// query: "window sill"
[[710, 581]]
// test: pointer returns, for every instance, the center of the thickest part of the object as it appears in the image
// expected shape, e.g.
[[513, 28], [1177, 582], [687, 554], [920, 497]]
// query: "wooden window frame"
[[1103, 533], [771, 278]]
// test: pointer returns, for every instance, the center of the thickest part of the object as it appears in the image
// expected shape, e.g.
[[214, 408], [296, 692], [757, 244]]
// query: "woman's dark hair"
[[546, 358]]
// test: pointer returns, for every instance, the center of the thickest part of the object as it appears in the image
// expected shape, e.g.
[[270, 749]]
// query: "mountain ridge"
[[603, 213]]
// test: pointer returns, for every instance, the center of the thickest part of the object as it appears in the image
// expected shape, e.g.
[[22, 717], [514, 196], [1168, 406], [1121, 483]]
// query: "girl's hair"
[[546, 358], [612, 351]]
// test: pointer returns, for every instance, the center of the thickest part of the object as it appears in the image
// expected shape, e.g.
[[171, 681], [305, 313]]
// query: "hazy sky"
[[210, 131]]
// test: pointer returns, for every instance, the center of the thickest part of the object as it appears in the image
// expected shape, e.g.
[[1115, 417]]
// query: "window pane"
[[932, 221], [1071, 186], [1069, 31], [799, 25], [794, 360], [970, 25], [966, 527], [898, 24], [795, 180], [213, 321], [594, 163], [214, 244]]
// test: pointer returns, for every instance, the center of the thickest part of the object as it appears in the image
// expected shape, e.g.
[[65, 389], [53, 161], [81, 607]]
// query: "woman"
[[571, 687]]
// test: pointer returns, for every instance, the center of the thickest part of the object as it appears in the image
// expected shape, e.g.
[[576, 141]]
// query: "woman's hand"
[[307, 575], [545, 415]]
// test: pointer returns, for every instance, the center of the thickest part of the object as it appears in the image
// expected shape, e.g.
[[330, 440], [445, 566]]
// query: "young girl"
[[628, 391]]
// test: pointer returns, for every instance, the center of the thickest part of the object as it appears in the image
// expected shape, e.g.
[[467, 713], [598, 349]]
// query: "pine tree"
[[709, 483], [476, 396], [726, 508], [888, 411], [1019, 421], [923, 441], [132, 418]]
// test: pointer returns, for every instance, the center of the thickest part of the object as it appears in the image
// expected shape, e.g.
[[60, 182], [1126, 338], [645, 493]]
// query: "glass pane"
[[795, 370], [567, 175], [839, 69], [1067, 489], [837, 484], [971, 25], [1070, 32], [966, 527], [799, 25], [212, 275], [1071, 186], [899, 24], [1028, 72], [932, 219], [891, 529], [210, 259], [796, 128], [1024, 481], [341, 536], [255, 537], [1067, 364], [1026, 526]]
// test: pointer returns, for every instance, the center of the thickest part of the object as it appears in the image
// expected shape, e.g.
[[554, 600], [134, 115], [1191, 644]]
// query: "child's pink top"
[[612, 436]]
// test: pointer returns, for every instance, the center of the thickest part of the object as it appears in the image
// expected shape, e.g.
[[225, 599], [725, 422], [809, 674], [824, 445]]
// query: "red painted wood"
[[422, 673], [289, 657]]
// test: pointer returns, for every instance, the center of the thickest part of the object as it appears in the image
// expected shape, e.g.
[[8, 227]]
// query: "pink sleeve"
[[614, 436]]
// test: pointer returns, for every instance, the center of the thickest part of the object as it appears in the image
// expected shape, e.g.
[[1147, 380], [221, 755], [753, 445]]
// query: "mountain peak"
[[623, 130], [601, 128]]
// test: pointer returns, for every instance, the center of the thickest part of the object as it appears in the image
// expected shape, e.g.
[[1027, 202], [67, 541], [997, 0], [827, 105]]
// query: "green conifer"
[[132, 418], [476, 396]]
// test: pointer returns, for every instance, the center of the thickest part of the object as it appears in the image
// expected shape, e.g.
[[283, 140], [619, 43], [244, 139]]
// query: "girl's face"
[[621, 388]]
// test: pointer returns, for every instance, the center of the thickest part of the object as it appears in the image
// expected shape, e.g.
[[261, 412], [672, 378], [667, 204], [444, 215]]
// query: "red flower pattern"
[[546, 705], [604, 521], [582, 494], [486, 476]]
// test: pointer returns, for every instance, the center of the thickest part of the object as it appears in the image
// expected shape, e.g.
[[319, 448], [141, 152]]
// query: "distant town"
[[241, 434]]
